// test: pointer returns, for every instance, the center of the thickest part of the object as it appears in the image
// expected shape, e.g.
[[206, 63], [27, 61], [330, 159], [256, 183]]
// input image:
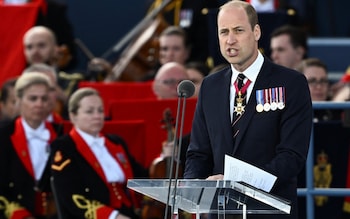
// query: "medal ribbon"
[[243, 89], [266, 96], [259, 96], [281, 96]]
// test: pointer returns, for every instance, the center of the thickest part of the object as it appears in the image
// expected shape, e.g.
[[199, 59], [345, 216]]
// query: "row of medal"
[[270, 99]]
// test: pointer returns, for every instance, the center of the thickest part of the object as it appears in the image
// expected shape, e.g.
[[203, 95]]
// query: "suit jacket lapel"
[[226, 113]]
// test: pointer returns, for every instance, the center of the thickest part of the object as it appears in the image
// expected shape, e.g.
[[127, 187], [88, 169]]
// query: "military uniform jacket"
[[80, 183], [18, 197]]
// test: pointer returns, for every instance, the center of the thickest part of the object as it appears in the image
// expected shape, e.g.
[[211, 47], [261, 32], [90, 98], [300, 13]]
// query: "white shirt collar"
[[49, 118], [89, 139], [28, 129], [252, 71]]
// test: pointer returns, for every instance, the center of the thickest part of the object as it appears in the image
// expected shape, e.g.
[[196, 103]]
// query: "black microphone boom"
[[185, 88]]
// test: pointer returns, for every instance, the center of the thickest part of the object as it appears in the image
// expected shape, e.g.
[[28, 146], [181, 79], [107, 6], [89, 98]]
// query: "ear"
[[257, 32], [72, 117]]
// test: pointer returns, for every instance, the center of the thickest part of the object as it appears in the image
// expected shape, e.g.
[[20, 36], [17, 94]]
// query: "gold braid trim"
[[91, 206], [9, 207]]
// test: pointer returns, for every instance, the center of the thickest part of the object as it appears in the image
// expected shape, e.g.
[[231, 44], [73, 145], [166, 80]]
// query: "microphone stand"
[[178, 154]]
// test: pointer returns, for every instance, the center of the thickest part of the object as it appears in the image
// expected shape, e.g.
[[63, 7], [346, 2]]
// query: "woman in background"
[[91, 170]]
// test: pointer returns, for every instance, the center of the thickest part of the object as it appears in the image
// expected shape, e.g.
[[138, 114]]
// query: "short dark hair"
[[298, 36], [176, 31]]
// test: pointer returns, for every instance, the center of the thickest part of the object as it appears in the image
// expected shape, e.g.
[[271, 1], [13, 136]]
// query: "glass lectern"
[[211, 196]]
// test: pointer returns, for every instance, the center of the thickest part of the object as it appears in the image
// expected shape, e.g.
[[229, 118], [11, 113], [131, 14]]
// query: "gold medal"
[[239, 109]]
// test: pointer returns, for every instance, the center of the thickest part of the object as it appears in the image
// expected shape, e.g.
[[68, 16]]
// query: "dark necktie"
[[240, 102]]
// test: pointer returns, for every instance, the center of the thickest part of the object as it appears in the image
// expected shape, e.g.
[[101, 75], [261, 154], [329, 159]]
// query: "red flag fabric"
[[15, 21]]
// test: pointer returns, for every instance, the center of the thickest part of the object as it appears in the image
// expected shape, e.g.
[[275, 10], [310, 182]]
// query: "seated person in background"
[[57, 99], [167, 78], [196, 72], [8, 107], [316, 74], [40, 46], [55, 17], [24, 153], [288, 46], [173, 47], [192, 16], [95, 167]]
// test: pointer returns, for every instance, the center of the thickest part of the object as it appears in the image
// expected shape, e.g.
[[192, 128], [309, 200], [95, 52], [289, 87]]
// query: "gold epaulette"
[[72, 76]]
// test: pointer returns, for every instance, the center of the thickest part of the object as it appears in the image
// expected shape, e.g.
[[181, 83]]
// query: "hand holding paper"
[[237, 170]]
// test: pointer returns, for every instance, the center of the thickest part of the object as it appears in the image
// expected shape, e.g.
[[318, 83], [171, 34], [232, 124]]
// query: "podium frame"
[[220, 197]]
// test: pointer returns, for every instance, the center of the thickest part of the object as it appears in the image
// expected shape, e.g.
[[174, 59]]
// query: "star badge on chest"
[[239, 108]]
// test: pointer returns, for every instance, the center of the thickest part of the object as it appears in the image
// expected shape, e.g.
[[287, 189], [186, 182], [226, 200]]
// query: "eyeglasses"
[[314, 82], [171, 82]]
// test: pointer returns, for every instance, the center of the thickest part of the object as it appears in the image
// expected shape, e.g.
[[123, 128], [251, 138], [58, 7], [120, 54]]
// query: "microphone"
[[185, 89]]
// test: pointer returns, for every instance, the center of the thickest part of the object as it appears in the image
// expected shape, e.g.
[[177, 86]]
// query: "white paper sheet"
[[237, 170]]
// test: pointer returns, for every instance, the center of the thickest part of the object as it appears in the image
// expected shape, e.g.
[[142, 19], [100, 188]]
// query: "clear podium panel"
[[211, 196]]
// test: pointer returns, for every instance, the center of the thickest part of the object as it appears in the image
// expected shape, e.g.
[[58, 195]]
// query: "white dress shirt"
[[110, 166], [38, 146]]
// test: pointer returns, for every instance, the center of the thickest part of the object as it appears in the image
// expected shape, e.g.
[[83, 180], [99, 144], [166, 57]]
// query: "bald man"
[[40, 46], [167, 78]]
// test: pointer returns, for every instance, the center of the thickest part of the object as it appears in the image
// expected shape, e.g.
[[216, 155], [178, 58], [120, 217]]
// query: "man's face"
[[283, 52], [238, 42], [172, 49], [167, 79], [39, 47]]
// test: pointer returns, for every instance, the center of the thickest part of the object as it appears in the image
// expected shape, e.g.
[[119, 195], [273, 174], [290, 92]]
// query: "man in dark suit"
[[272, 131]]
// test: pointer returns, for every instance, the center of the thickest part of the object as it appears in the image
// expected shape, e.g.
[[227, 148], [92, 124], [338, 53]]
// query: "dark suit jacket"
[[276, 141], [16, 183], [79, 177]]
